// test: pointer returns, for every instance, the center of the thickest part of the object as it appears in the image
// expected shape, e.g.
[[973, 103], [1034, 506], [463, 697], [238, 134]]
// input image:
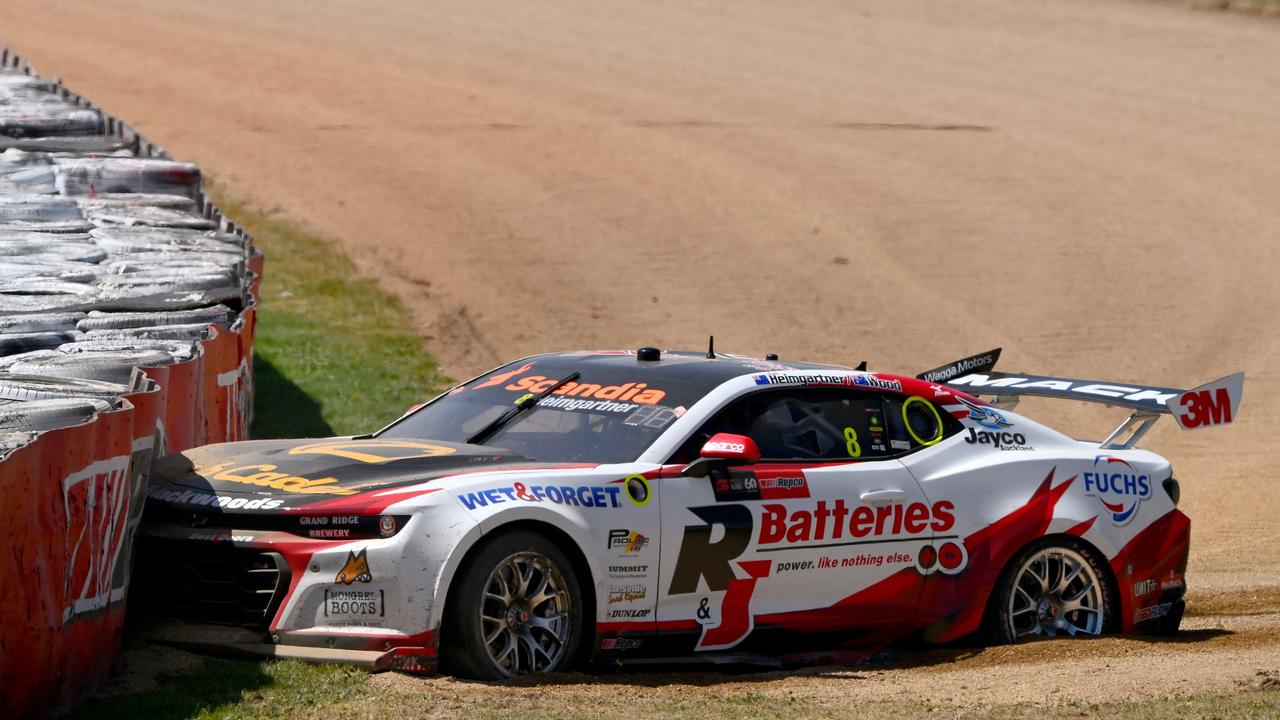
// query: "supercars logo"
[[356, 569], [987, 417], [1117, 486]]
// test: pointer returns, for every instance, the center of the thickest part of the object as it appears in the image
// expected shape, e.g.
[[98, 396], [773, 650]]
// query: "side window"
[[914, 422], [814, 424]]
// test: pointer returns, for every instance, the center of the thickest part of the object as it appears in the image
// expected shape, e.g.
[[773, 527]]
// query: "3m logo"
[[1209, 405], [1205, 408]]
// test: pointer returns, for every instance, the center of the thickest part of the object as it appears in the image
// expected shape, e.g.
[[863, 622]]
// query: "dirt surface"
[[1091, 184]]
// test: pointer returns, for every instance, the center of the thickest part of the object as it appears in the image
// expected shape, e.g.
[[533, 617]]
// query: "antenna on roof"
[[862, 366], [711, 348]]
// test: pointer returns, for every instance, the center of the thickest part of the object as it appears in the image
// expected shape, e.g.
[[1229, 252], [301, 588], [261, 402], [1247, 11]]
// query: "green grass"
[[229, 689], [334, 355]]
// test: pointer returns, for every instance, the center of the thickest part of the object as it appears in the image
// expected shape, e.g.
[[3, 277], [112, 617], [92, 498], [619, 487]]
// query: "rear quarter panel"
[[1008, 495]]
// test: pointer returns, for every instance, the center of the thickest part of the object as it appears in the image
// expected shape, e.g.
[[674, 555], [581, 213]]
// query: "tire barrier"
[[127, 314]]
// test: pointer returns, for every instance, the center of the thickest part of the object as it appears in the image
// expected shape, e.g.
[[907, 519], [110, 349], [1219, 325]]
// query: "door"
[[822, 534]]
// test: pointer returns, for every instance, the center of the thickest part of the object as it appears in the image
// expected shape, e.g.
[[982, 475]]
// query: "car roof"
[[682, 365]]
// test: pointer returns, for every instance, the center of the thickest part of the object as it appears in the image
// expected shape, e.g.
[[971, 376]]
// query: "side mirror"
[[723, 450], [726, 446]]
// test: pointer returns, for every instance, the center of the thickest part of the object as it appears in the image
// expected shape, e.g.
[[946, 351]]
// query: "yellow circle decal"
[[638, 490], [937, 433]]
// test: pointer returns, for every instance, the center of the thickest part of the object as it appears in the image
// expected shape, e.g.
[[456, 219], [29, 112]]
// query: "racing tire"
[[112, 367], [44, 322], [125, 320], [515, 609], [41, 415], [1058, 587], [42, 387]]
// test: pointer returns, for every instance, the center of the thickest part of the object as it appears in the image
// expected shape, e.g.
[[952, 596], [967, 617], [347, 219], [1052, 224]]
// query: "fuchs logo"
[[987, 417], [355, 570], [878, 383], [1117, 486], [998, 439], [627, 541]]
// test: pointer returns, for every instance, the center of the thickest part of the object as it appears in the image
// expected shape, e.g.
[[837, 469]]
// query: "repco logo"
[[1000, 439]]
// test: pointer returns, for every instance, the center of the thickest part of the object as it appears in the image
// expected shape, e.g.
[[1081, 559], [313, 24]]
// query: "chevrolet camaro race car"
[[634, 506]]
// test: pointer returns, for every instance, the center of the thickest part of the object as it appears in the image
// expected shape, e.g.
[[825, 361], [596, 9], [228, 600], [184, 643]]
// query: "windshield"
[[606, 415]]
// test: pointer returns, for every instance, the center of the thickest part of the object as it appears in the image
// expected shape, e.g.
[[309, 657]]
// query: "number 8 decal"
[[851, 443]]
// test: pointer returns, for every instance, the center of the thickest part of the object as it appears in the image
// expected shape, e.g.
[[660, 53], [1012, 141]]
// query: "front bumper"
[[270, 594], [226, 641]]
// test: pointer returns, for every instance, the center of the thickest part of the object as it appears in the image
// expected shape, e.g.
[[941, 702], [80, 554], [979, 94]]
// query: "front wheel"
[[1049, 591], [517, 610]]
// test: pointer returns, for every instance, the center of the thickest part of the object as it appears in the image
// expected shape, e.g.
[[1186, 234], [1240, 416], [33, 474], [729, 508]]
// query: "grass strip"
[[334, 354]]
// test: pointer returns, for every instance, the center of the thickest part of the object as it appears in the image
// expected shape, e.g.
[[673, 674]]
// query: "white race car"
[[633, 506]]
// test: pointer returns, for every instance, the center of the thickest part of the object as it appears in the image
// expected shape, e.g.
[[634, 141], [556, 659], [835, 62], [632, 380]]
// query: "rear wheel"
[[516, 610], [1050, 590]]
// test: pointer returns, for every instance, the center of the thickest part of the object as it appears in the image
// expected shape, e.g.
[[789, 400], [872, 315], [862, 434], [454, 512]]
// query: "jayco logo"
[[999, 439]]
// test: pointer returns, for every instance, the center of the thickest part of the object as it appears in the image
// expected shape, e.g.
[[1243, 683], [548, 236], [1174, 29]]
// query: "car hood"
[[302, 472]]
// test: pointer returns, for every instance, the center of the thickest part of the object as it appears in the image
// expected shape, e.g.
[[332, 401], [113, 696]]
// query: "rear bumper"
[[1150, 574], [224, 641]]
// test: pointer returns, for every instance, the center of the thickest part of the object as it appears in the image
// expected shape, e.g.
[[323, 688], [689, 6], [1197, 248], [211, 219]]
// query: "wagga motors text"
[[836, 521]]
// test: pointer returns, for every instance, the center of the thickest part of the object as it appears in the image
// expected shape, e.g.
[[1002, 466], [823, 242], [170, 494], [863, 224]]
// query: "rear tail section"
[[1209, 405]]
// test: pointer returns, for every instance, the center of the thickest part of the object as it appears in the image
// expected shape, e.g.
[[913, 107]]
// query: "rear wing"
[[1208, 405]]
